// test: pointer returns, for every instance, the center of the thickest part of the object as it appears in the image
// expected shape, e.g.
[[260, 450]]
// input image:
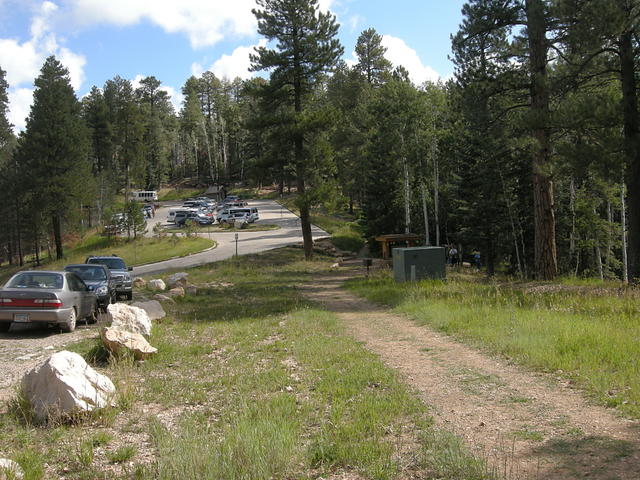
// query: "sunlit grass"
[[588, 334]]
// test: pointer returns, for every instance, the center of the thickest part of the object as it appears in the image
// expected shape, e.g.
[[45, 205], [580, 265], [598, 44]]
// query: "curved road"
[[271, 213]]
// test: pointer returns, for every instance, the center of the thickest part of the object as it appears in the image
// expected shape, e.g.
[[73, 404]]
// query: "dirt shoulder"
[[23, 348], [526, 425]]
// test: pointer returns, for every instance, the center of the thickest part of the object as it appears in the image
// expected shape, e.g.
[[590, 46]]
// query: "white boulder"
[[10, 470], [139, 282], [115, 340], [65, 384], [156, 284], [153, 308], [129, 318], [177, 280]]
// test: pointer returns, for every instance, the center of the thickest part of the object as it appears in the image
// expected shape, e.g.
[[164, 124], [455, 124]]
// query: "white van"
[[144, 196], [171, 216], [250, 212]]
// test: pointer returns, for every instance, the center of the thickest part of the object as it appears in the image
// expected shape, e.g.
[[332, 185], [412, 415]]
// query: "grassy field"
[[586, 331], [250, 382], [168, 194], [134, 252]]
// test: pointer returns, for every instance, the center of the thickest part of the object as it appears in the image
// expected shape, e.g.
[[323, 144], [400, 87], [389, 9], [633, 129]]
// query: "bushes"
[[347, 238]]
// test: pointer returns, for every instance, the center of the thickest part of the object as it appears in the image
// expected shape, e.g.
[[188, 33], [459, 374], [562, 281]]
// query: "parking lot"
[[271, 213]]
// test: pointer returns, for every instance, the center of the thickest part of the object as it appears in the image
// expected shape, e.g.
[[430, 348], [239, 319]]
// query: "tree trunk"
[[546, 264], [425, 212], [57, 235], [436, 192], [623, 228], [407, 198], [631, 152]]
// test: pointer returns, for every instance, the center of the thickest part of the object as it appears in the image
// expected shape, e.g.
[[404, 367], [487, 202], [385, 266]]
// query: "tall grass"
[[591, 335]]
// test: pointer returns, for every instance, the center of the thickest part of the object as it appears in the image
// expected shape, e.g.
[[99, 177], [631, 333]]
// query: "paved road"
[[271, 213]]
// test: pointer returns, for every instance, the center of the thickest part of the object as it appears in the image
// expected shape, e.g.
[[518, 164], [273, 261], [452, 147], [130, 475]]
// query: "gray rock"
[[191, 290], [177, 280], [176, 292], [153, 308], [139, 282], [163, 298]]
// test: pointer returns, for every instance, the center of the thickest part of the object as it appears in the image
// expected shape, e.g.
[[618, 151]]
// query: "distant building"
[[216, 192]]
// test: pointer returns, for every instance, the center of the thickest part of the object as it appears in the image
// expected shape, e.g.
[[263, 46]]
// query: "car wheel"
[[5, 326], [93, 316], [70, 325], [129, 296]]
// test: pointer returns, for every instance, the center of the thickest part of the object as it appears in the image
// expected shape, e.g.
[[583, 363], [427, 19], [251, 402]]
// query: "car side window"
[[75, 283]]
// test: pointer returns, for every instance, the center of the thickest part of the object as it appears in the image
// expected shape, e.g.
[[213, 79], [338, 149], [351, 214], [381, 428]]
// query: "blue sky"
[[173, 39]]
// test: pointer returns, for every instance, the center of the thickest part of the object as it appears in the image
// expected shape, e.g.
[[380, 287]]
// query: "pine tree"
[[371, 60], [53, 150], [306, 49]]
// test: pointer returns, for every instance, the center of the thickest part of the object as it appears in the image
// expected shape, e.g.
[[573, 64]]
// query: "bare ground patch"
[[526, 425]]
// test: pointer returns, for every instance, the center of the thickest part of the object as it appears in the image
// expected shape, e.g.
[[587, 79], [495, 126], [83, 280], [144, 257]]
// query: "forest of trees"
[[529, 155]]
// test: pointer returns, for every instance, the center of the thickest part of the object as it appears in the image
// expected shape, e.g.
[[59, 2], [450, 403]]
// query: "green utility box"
[[416, 263]]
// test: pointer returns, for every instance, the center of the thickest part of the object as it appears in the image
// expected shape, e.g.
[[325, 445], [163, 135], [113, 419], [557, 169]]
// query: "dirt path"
[[526, 425], [22, 349]]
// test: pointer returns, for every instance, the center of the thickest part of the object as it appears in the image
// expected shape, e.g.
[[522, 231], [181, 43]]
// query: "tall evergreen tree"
[[371, 60], [53, 149], [306, 49]]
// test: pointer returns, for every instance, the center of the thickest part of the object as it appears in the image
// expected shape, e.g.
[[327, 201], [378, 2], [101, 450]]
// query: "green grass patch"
[[589, 334], [171, 194], [252, 382]]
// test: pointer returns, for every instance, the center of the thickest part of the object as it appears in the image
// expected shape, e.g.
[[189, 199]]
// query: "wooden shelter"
[[402, 239]]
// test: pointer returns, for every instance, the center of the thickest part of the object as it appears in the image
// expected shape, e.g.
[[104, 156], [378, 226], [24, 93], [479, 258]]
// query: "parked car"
[[119, 271], [47, 297], [237, 212], [99, 280], [171, 217]]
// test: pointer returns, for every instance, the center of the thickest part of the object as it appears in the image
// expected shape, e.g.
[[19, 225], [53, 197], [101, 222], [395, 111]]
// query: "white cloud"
[[399, 53], [175, 96], [197, 69], [205, 22], [22, 61], [20, 100], [237, 64]]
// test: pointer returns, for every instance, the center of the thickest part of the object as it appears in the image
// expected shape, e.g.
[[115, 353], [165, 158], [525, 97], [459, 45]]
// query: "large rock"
[[153, 309], [163, 298], [177, 280], [116, 340], [129, 318], [139, 282], [64, 385], [176, 292], [156, 284], [10, 470]]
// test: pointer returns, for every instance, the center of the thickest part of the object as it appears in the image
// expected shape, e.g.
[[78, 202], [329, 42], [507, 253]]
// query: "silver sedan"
[[59, 298]]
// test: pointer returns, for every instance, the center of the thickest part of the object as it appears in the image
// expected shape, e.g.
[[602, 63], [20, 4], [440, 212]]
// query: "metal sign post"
[[236, 244]]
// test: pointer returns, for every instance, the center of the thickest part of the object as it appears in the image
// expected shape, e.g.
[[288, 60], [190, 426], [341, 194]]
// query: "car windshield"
[[112, 263], [36, 280], [88, 273]]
